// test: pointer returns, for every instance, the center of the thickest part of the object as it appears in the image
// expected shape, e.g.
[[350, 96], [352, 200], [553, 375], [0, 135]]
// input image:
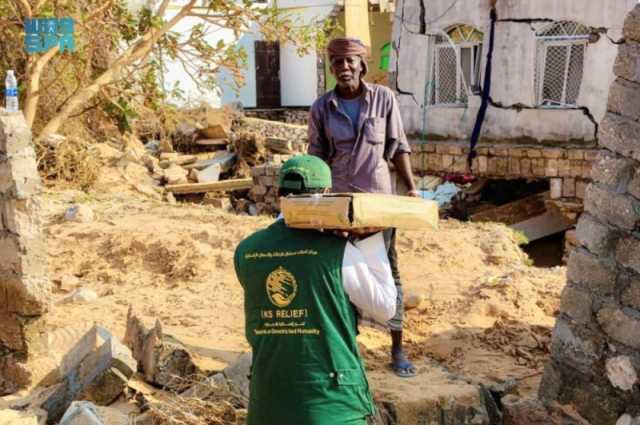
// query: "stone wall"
[[24, 287], [264, 192], [567, 169], [289, 116], [596, 341], [294, 132]]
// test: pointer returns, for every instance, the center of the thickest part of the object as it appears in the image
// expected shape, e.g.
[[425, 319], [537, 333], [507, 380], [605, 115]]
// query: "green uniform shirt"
[[302, 330]]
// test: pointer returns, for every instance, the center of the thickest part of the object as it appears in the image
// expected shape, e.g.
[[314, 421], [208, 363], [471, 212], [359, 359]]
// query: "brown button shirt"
[[359, 160]]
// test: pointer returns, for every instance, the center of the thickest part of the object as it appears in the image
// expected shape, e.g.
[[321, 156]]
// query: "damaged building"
[[545, 90]]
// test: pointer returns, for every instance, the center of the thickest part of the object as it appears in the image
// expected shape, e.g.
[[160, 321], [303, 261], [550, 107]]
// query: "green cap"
[[315, 173]]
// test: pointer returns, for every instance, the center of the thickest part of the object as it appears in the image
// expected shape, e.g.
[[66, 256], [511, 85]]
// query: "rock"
[[175, 174], [237, 374], [209, 174], [621, 373], [170, 198], [253, 210], [87, 413], [80, 296], [153, 147], [412, 301], [13, 417], [162, 359], [221, 203], [54, 140], [79, 214], [207, 387], [69, 282], [97, 368], [628, 420]]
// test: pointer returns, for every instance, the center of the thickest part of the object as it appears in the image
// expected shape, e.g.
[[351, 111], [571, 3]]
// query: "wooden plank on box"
[[233, 184]]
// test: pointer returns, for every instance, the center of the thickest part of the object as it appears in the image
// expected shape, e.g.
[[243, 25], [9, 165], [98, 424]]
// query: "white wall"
[[513, 67], [298, 75]]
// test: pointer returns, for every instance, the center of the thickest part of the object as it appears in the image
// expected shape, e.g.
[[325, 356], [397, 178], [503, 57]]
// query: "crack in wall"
[[423, 17], [397, 49], [520, 107]]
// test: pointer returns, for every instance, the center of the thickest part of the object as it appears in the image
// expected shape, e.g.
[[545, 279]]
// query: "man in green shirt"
[[300, 289]]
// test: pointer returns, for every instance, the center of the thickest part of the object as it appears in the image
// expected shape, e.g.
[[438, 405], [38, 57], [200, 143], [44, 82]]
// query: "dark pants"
[[389, 235]]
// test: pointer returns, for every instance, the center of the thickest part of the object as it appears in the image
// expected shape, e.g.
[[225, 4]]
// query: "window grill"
[[456, 63], [561, 49]]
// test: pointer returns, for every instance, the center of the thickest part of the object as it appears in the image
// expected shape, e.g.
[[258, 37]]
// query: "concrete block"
[[620, 134], [624, 99], [492, 166], [619, 210], [514, 166], [586, 170], [534, 153], [499, 151], [483, 164], [633, 187], [553, 153], [555, 188], [15, 135], [433, 162], [87, 413], [564, 168], [621, 372], [612, 171], [97, 369], [525, 167], [518, 152], [631, 293], [237, 374], [576, 303], [538, 167], [621, 327], [591, 273], [632, 25], [442, 149], [598, 238], [568, 187], [483, 150], [628, 253], [447, 162], [627, 64], [575, 168], [551, 168], [502, 166], [456, 150], [591, 154], [576, 345], [575, 154]]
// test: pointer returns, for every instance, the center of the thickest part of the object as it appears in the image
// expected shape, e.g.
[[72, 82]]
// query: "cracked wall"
[[596, 341], [512, 114], [24, 286]]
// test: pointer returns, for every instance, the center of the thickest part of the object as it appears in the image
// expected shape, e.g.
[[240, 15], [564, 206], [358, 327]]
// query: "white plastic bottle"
[[11, 92]]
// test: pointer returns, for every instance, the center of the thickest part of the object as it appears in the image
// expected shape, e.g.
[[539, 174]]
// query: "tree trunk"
[[134, 53]]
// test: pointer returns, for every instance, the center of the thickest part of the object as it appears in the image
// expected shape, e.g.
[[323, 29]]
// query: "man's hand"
[[414, 193]]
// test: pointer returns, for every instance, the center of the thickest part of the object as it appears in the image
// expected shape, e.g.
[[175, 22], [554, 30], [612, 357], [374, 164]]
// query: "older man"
[[357, 129]]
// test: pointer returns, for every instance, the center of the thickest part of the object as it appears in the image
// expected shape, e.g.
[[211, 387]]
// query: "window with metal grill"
[[456, 61], [561, 49]]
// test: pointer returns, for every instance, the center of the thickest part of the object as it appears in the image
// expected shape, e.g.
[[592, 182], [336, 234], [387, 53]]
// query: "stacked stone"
[[264, 192], [568, 169], [24, 287], [596, 341], [296, 133]]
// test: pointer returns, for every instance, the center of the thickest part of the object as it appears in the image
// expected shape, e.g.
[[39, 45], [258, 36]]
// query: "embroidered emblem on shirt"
[[281, 287]]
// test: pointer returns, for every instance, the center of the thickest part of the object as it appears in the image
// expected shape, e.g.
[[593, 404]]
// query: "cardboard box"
[[356, 210]]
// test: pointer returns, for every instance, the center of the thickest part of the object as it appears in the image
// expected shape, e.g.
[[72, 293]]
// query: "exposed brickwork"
[[569, 170], [596, 342], [294, 132], [24, 287]]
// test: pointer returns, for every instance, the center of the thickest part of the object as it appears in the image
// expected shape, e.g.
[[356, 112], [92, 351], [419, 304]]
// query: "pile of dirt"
[[486, 314]]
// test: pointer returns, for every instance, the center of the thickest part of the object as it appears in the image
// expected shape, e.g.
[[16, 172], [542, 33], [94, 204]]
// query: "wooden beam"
[[212, 142], [234, 184], [279, 145]]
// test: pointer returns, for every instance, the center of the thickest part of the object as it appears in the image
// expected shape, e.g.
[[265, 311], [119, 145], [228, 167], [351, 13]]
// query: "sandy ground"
[[486, 316]]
